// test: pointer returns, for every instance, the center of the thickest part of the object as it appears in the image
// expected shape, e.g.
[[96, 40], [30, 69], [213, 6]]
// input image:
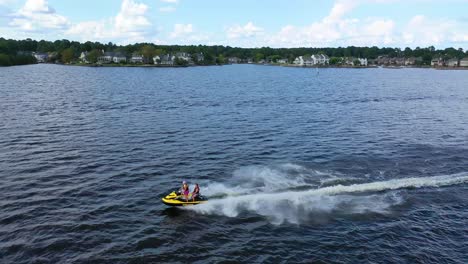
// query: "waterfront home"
[[249, 60], [304, 61], [184, 56], [397, 61], [349, 61], [283, 61], [157, 59], [383, 60], [106, 57], [308, 61], [200, 57], [84, 56], [320, 59], [119, 57], [41, 57], [136, 58], [362, 61], [452, 62], [166, 59], [234, 60], [464, 62], [437, 62], [299, 61], [413, 61]]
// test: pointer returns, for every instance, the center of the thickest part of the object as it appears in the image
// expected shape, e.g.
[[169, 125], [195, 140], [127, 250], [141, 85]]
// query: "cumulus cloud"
[[186, 34], [421, 30], [181, 30], [38, 15], [129, 25], [248, 30], [337, 29]]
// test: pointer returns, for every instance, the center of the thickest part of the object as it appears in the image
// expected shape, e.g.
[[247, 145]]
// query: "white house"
[[184, 56], [464, 62], [299, 61], [320, 59], [283, 61], [308, 61], [437, 62], [106, 57], [413, 61], [166, 59], [41, 57], [200, 57], [452, 62], [119, 57], [136, 58], [363, 61], [83, 57], [234, 60]]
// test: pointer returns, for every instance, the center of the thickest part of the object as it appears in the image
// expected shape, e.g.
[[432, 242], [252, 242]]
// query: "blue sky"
[[291, 23]]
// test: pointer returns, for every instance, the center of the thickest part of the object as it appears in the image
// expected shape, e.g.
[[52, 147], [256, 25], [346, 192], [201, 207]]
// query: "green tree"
[[93, 55], [148, 52], [67, 55], [274, 58], [220, 59], [180, 62], [5, 60], [259, 57], [335, 61]]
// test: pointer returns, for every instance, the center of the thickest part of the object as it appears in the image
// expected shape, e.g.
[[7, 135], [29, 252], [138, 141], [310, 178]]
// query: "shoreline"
[[363, 67], [110, 65]]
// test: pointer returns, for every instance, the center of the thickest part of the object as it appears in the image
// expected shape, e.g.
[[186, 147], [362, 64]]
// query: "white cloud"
[[7, 2], [248, 30], [131, 17], [181, 30], [37, 15], [337, 29], [129, 25], [420, 31], [186, 34], [170, 1], [167, 9]]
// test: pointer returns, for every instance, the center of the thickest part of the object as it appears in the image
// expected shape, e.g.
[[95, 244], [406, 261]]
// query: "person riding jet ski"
[[196, 192], [185, 191]]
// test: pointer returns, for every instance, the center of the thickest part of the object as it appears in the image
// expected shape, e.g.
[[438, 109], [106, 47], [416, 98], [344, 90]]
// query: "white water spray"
[[297, 206]]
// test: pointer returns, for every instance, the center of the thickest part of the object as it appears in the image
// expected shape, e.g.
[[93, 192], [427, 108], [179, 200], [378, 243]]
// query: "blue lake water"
[[301, 165]]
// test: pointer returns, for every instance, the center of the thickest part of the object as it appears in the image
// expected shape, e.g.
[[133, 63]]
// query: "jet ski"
[[175, 199]]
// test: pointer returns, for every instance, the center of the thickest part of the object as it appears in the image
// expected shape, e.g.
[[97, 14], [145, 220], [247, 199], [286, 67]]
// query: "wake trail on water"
[[297, 206]]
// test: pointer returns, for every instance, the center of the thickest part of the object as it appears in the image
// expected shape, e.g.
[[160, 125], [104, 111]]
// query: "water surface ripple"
[[333, 166]]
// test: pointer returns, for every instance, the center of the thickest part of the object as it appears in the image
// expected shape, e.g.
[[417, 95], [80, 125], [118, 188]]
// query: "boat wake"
[[261, 190]]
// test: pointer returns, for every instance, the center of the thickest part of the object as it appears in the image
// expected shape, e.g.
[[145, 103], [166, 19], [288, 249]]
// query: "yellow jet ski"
[[174, 199]]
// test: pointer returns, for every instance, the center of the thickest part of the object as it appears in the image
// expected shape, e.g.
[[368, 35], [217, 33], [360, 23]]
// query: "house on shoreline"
[[136, 58], [41, 57], [314, 60], [166, 59], [463, 62], [438, 62]]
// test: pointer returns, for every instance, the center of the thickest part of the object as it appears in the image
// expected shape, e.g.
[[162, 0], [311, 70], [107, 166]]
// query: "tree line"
[[11, 51]]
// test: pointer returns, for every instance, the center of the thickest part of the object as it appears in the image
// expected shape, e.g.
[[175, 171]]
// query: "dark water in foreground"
[[343, 165]]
